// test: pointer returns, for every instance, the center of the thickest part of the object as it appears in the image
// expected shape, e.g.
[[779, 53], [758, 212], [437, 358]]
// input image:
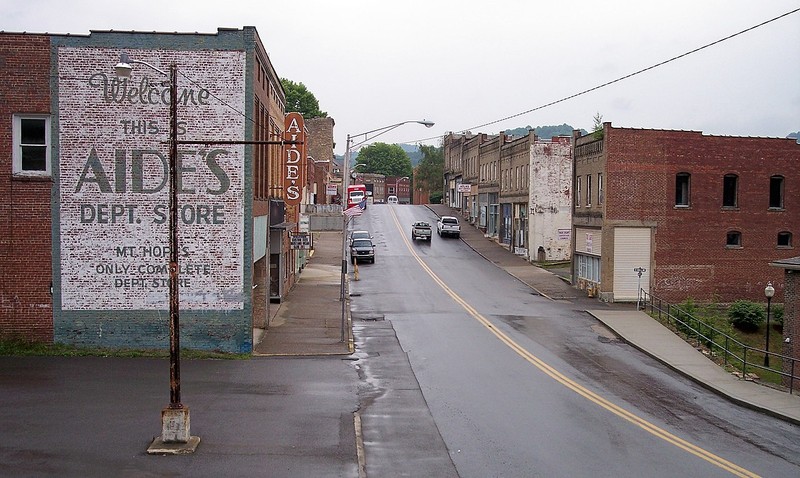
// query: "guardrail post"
[[725, 355], [744, 362]]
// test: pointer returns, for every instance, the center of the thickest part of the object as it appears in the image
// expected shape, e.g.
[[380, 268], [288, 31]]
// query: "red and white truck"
[[356, 193]]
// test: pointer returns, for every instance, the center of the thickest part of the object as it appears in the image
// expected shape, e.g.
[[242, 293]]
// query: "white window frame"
[[588, 190], [17, 146], [600, 188]]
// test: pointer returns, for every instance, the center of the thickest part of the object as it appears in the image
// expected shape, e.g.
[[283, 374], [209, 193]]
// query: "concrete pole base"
[[175, 436], [158, 447]]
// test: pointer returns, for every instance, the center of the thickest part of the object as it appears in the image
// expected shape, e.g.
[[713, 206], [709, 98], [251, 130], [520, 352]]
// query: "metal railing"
[[332, 209], [719, 344]]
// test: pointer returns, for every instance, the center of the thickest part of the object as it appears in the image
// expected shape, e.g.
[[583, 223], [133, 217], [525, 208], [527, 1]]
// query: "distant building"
[[375, 184], [320, 150], [400, 187], [516, 190]]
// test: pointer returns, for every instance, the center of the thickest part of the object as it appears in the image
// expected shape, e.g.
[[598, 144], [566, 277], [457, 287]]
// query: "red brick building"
[[26, 302], [83, 200], [700, 216]]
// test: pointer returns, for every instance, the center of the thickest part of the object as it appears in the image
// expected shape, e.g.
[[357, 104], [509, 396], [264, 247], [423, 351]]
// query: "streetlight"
[[175, 418], [769, 291], [346, 184]]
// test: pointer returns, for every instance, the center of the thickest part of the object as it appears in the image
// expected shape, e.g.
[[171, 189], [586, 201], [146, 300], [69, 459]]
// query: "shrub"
[[746, 316], [776, 315], [684, 314]]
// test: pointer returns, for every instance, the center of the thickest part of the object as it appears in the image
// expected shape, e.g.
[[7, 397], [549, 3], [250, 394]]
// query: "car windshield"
[[362, 243], [449, 220], [422, 224], [359, 235]]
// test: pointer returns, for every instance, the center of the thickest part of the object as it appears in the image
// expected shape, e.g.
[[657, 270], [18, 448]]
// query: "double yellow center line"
[[571, 384]]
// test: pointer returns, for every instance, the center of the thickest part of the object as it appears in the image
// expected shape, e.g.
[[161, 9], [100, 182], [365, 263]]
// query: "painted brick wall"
[[550, 201], [690, 254], [91, 306], [26, 306]]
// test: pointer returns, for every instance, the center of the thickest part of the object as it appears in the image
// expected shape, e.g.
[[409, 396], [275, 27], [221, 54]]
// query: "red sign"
[[294, 159]]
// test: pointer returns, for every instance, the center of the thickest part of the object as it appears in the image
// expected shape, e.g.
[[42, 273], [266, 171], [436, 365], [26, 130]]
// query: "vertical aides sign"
[[294, 159]]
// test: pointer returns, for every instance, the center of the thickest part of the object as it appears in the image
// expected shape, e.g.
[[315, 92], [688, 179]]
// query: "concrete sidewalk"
[[636, 328], [311, 320]]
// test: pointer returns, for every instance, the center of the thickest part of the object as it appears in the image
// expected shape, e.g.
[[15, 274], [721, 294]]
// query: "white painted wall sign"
[[113, 180]]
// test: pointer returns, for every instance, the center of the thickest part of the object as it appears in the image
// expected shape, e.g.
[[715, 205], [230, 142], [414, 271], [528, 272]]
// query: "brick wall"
[[791, 323], [690, 256], [217, 302], [320, 147], [26, 306]]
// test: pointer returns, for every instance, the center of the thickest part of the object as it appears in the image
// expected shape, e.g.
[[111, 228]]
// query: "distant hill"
[[795, 136], [413, 153], [544, 132]]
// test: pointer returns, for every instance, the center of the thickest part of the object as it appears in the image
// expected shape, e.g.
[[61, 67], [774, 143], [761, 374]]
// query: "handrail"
[[734, 353]]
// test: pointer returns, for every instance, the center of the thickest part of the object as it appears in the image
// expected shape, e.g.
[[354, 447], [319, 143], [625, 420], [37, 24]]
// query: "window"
[[776, 192], [588, 268], [578, 192], [588, 190], [734, 239], [729, 190], [785, 239], [682, 189], [31, 136], [599, 188]]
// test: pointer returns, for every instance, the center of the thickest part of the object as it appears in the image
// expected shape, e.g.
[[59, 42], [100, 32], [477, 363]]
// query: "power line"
[[575, 95]]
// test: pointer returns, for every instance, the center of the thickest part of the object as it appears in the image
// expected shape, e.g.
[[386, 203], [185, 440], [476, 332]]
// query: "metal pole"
[[174, 301], [345, 185], [766, 353]]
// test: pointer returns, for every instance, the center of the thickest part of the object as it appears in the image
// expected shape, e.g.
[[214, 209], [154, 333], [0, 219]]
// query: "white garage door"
[[631, 251]]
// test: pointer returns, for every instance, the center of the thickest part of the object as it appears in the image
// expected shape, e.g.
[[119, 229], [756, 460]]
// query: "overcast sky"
[[465, 63]]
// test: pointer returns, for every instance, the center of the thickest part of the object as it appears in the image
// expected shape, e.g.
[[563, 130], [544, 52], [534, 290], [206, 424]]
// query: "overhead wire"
[[603, 85]]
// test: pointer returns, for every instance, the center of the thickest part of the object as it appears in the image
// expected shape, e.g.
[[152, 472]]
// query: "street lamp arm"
[[386, 129], [123, 68]]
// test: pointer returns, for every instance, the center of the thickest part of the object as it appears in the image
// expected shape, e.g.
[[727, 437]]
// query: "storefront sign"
[[294, 169]]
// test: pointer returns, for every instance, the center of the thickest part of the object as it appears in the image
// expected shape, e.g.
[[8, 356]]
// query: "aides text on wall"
[[114, 180], [294, 168]]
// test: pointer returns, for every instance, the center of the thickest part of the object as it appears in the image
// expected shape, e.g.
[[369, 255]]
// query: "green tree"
[[430, 170], [299, 99], [386, 159], [597, 129]]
